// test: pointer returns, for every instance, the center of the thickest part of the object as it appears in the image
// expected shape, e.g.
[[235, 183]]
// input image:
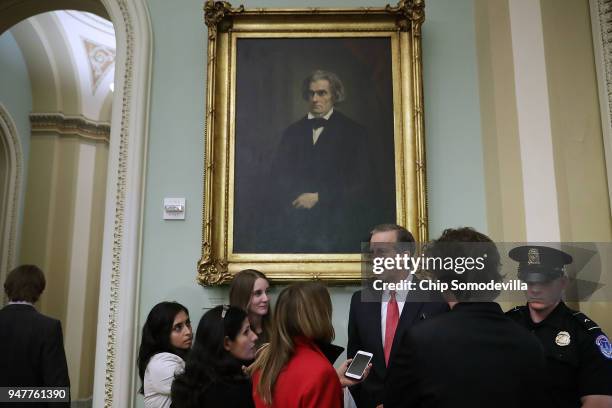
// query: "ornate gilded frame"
[[402, 23]]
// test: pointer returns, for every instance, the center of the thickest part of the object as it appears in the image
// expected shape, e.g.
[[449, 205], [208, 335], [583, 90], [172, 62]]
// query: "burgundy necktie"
[[391, 324]]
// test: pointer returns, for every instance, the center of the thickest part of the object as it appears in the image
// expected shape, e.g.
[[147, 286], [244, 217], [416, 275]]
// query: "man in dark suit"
[[31, 343], [473, 356], [377, 319], [320, 176]]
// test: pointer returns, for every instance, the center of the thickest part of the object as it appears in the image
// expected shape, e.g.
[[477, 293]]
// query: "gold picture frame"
[[235, 33]]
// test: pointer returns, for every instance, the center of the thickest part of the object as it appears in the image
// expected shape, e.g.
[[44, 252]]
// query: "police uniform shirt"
[[578, 353]]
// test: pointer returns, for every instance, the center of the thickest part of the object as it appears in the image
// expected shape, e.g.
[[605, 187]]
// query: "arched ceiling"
[[70, 57], [14, 11]]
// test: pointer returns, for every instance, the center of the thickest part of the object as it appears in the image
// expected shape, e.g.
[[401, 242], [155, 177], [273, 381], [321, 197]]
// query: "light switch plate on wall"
[[174, 208]]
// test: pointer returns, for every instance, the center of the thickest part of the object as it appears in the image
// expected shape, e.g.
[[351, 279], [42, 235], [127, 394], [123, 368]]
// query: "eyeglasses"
[[224, 311]]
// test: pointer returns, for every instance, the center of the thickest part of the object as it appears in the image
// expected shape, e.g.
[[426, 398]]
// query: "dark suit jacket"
[[32, 349], [234, 393], [473, 356], [338, 168], [365, 333]]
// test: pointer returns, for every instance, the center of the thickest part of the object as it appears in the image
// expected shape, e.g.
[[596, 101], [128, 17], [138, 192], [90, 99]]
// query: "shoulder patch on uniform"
[[604, 345], [585, 322]]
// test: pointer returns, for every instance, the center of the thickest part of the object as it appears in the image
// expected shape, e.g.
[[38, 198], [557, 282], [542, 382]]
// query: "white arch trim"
[[119, 281], [601, 25], [12, 146]]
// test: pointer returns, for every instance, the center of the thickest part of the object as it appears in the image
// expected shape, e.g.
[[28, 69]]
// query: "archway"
[[123, 211], [11, 169]]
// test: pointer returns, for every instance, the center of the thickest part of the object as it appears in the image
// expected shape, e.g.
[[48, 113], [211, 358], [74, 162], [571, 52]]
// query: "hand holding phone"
[[359, 365]]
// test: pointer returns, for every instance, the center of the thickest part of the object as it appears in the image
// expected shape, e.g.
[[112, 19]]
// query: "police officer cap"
[[539, 263]]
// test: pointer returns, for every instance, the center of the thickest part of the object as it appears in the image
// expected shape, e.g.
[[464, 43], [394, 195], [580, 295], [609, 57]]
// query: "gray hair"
[[335, 84]]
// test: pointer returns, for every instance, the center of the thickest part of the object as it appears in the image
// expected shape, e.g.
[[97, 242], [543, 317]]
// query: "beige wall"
[[579, 164], [50, 232], [584, 206], [502, 156], [47, 225]]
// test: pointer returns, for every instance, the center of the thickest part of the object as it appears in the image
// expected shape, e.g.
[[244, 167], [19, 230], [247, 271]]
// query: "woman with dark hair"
[[166, 340], [249, 291], [214, 375]]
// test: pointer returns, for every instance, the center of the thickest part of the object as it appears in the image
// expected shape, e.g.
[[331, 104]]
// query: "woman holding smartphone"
[[295, 369], [214, 375], [166, 340], [249, 291]]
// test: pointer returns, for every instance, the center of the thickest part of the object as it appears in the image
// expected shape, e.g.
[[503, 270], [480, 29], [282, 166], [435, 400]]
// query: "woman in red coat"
[[293, 371]]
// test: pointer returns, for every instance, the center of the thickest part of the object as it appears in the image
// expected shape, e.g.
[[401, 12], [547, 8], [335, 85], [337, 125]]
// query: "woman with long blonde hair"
[[295, 369], [249, 291]]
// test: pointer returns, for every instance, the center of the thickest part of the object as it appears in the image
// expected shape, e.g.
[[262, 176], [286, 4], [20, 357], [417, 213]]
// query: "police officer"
[[578, 353]]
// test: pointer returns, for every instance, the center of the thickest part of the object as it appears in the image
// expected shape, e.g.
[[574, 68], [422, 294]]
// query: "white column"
[[79, 260], [535, 135], [115, 374]]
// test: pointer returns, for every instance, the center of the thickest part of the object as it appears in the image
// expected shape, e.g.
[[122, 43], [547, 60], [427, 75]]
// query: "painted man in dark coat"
[[321, 183]]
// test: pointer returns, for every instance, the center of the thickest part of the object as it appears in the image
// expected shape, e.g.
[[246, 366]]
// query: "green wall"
[[16, 96], [455, 167], [175, 157]]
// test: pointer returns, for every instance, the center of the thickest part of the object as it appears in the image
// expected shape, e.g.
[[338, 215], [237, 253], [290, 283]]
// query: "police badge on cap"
[[539, 263]]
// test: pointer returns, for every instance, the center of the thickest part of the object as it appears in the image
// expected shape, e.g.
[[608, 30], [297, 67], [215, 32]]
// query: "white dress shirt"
[[400, 298], [317, 132], [20, 302]]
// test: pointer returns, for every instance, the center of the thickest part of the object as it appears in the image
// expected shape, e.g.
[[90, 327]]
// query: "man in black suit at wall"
[[31, 343], [377, 319], [472, 356]]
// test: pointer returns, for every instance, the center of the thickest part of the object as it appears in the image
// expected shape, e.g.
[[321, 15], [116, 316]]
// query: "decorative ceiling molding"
[[92, 21], [101, 59], [71, 126]]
